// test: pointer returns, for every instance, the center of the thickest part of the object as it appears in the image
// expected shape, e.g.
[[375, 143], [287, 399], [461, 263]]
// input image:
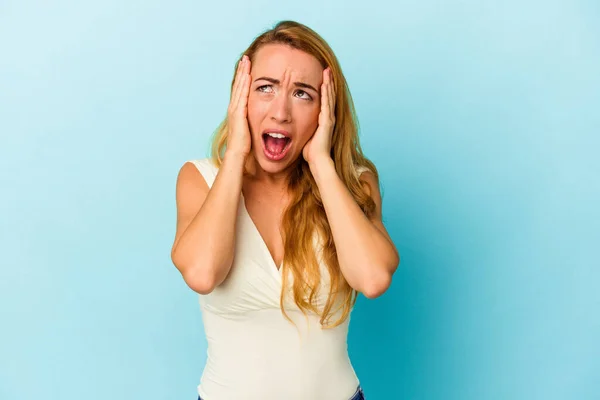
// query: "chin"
[[271, 165]]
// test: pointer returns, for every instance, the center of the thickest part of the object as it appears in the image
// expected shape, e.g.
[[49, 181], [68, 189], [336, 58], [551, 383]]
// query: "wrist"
[[234, 159], [321, 167], [234, 155]]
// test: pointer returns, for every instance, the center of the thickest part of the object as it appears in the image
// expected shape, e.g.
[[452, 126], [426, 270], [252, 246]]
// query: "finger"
[[237, 82], [236, 78], [244, 86], [243, 100], [247, 70], [237, 100], [324, 94], [324, 97], [331, 93], [326, 89]]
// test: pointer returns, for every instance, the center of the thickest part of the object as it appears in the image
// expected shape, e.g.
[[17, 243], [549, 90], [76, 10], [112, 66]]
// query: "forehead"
[[275, 60]]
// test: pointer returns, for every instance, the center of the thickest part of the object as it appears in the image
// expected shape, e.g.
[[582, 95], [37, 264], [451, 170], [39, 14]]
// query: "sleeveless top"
[[253, 351]]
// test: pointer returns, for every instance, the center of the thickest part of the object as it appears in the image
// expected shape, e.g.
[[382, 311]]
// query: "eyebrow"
[[277, 82]]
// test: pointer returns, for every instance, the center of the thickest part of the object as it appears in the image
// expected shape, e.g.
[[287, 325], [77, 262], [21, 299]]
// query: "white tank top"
[[253, 352]]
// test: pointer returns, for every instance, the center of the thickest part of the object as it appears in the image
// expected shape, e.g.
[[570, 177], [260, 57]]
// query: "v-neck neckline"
[[274, 267]]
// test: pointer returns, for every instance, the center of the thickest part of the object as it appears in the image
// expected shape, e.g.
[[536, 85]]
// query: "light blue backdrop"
[[482, 117]]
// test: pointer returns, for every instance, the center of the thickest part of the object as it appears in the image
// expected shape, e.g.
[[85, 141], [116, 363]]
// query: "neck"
[[273, 181]]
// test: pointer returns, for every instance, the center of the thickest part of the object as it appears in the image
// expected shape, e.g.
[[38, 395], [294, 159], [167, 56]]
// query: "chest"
[[255, 280], [265, 219]]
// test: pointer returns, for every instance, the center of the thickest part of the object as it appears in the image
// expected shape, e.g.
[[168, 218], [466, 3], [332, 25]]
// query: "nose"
[[280, 109]]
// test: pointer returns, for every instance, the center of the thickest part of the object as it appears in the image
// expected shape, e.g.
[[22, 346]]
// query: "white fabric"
[[254, 353]]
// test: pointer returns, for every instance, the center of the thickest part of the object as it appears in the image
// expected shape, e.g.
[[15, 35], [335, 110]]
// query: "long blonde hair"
[[305, 215]]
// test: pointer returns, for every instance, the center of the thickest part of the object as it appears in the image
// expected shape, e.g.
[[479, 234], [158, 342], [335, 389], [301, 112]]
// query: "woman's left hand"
[[319, 145]]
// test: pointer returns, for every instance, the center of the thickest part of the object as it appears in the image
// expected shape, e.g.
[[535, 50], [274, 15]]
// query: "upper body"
[[254, 352], [282, 228]]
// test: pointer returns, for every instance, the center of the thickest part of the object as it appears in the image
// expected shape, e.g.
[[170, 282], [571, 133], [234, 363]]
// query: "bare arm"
[[206, 221], [206, 218], [366, 253]]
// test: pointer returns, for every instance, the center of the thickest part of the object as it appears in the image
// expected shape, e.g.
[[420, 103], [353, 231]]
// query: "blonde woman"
[[281, 228]]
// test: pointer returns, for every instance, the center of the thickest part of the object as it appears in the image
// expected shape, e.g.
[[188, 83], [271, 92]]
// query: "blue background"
[[483, 118]]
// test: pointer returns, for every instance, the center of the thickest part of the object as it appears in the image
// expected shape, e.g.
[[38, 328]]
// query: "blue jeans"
[[358, 395]]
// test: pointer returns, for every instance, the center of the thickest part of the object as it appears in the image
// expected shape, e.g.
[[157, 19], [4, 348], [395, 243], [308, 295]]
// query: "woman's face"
[[284, 98]]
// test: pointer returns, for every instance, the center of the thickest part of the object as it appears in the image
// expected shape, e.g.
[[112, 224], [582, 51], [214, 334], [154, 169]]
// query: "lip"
[[272, 157], [281, 131]]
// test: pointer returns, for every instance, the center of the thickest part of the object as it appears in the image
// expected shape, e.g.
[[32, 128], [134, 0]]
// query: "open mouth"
[[275, 145]]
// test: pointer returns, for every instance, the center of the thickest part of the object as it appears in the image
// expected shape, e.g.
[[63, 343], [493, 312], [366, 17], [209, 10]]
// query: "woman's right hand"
[[238, 136]]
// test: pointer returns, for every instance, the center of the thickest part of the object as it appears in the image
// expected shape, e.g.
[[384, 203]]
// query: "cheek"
[[257, 103], [309, 122]]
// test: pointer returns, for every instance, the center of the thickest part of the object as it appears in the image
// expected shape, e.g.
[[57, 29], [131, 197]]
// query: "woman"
[[281, 228]]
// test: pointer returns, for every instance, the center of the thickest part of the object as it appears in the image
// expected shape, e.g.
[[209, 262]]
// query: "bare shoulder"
[[371, 185], [191, 191], [372, 188], [191, 181]]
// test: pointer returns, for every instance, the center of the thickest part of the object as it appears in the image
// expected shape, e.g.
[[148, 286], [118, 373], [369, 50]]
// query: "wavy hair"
[[305, 216]]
